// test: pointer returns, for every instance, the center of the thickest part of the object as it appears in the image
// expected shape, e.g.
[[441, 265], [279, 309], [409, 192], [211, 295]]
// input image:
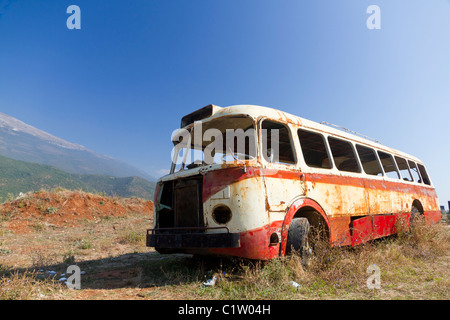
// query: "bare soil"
[[47, 231], [41, 234], [66, 209]]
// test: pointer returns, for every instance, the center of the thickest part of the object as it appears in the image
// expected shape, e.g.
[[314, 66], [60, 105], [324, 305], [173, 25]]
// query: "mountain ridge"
[[14, 124], [21, 177], [24, 142]]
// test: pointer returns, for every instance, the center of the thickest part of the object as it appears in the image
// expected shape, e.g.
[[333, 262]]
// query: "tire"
[[297, 239]]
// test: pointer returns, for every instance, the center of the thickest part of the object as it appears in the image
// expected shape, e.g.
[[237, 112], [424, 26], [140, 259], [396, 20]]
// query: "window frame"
[[426, 173], [260, 144], [393, 161], [407, 167], [377, 158], [325, 143], [420, 181], [356, 157]]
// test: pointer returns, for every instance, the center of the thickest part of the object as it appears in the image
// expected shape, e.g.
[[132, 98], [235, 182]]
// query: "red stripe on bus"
[[214, 181]]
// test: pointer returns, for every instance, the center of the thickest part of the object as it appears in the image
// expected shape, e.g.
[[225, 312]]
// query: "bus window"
[[414, 171], [424, 174], [224, 139], [277, 143], [314, 149], [388, 165], [343, 155], [369, 161], [404, 170]]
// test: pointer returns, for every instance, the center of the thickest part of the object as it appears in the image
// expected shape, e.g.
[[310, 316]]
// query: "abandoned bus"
[[252, 182]]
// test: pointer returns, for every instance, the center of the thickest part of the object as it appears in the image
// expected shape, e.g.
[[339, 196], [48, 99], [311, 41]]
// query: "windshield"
[[225, 139]]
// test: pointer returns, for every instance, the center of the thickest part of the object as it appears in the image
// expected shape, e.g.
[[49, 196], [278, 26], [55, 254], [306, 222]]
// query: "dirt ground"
[[43, 233], [66, 208]]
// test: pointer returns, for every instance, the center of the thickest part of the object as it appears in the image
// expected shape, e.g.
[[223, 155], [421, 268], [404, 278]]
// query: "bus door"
[[282, 179]]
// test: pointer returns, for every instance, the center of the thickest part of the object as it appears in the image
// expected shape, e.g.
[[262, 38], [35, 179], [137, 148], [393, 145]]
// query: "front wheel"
[[297, 239]]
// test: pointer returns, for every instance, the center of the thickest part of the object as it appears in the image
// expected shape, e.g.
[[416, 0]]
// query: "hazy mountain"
[[21, 141], [124, 186], [20, 176]]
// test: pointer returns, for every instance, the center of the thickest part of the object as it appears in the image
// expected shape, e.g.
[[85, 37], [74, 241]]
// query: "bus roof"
[[255, 112]]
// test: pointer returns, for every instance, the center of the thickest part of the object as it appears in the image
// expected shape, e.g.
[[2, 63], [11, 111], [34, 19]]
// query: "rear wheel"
[[297, 239], [415, 217]]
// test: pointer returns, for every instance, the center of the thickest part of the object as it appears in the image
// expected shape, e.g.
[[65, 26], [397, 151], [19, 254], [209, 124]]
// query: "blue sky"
[[120, 85]]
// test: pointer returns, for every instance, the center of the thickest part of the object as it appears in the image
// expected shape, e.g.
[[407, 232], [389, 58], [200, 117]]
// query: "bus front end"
[[212, 202]]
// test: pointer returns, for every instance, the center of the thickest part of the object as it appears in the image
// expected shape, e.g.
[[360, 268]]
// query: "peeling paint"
[[265, 197]]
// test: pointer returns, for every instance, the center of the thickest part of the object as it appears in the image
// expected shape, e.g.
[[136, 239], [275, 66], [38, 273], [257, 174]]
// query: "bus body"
[[243, 205]]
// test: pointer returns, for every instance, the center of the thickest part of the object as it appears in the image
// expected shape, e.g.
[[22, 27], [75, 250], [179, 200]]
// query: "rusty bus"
[[248, 205]]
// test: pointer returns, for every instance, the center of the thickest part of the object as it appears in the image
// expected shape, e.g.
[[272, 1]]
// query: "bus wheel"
[[297, 239], [415, 217]]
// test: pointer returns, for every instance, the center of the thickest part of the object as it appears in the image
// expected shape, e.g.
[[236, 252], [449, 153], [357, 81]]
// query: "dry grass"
[[28, 285], [413, 265]]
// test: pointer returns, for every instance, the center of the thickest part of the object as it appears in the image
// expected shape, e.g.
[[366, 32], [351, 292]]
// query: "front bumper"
[[191, 238]]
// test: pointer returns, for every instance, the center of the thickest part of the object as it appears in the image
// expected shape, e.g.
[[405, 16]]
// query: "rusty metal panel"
[[264, 197], [281, 186], [362, 230], [340, 234], [433, 217], [383, 225], [245, 197]]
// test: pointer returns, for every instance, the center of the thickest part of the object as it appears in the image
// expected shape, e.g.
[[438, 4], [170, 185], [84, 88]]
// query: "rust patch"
[[340, 234], [362, 230]]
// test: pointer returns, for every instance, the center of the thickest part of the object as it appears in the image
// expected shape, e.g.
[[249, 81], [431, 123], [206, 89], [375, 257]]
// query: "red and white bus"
[[227, 194]]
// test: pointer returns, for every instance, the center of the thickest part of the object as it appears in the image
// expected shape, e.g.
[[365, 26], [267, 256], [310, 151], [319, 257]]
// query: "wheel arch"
[[304, 208], [416, 203]]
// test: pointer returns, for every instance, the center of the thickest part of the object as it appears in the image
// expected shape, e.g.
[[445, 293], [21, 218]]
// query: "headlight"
[[221, 214]]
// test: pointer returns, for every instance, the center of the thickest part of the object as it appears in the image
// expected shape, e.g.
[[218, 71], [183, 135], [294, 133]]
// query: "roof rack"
[[345, 129]]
